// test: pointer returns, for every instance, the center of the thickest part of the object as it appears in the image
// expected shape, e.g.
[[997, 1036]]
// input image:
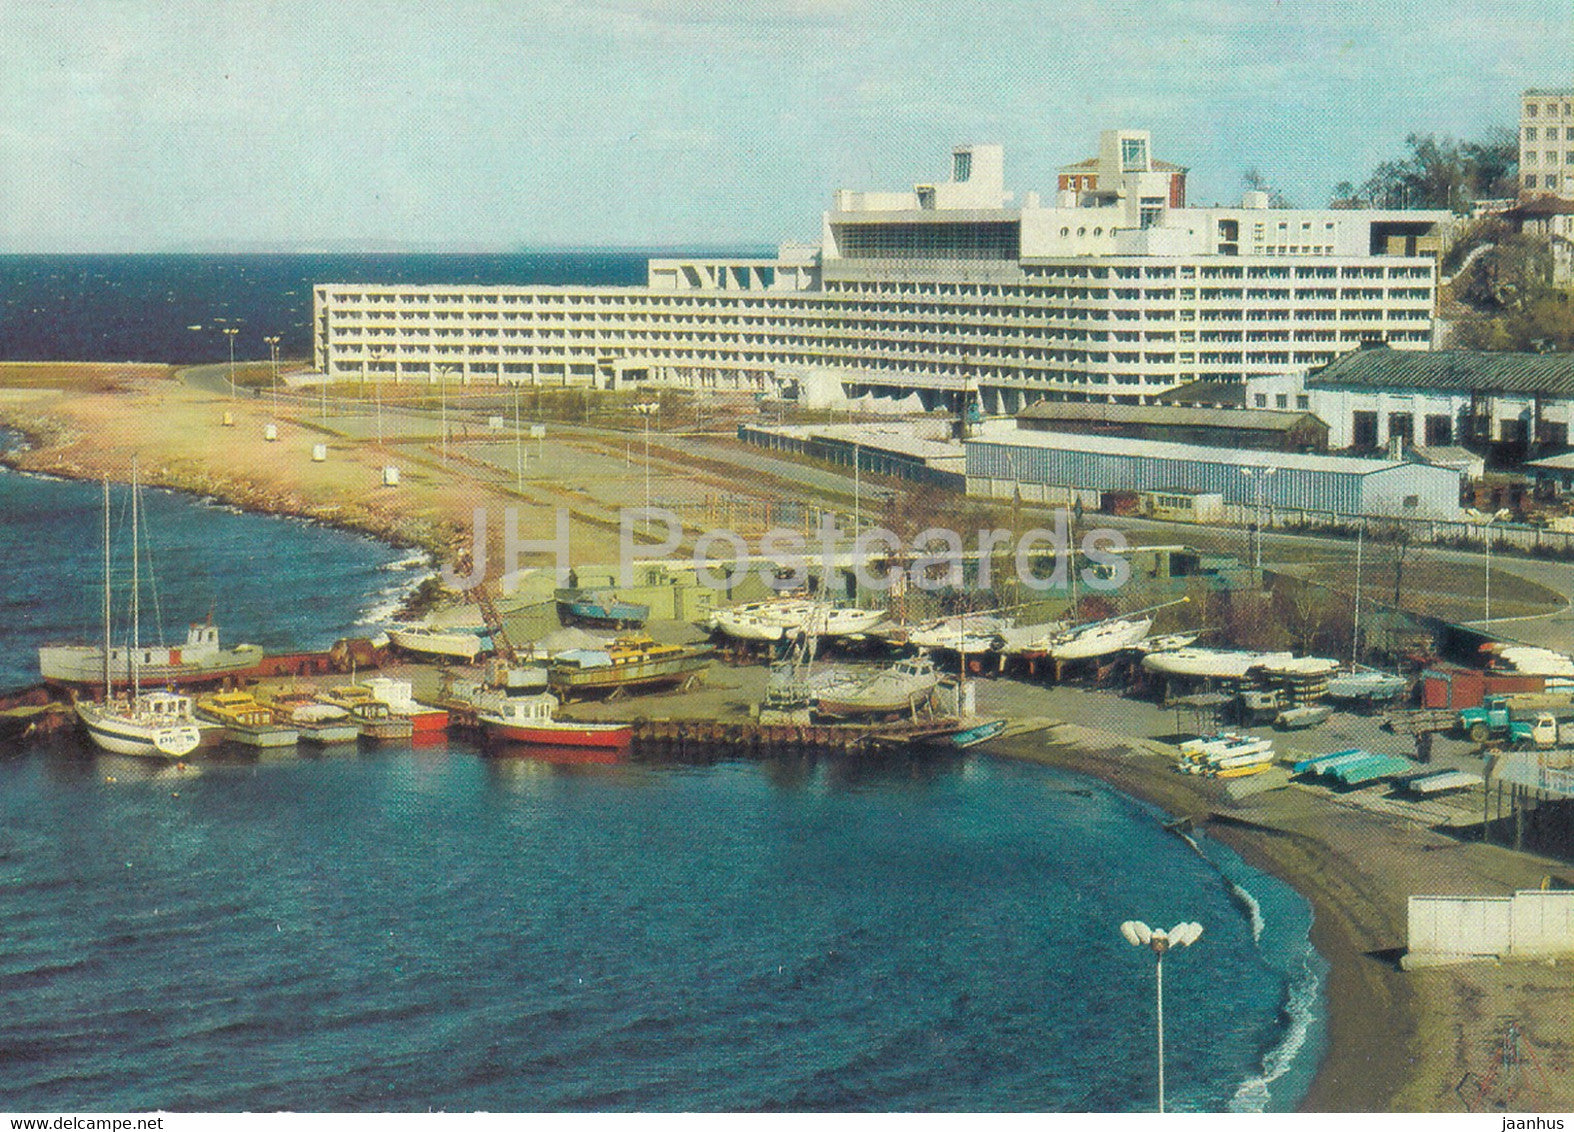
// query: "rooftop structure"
[[953, 290]]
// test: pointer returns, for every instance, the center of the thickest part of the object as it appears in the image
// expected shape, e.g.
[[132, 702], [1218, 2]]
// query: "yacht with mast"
[[158, 724]]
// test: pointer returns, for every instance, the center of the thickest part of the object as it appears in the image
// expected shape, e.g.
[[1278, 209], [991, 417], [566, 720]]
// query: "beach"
[[1400, 1041]]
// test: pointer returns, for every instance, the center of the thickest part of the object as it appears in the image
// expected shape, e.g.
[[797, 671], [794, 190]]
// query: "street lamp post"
[[273, 354], [1159, 941], [230, 332], [1259, 478]]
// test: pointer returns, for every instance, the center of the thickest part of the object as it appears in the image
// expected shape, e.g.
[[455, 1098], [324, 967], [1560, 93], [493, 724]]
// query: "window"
[[1302, 401], [1133, 155], [962, 166], [1530, 180], [1530, 133], [1282, 401], [1530, 110], [1401, 426], [1262, 400]]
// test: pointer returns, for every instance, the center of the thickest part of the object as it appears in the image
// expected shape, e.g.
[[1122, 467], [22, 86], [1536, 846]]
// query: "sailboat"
[[156, 725]]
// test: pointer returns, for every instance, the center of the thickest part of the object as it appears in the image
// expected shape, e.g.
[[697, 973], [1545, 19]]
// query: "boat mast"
[[106, 595], [1355, 630], [136, 590]]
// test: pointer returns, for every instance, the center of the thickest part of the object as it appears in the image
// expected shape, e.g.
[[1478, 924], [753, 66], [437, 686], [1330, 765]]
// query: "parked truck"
[[1518, 720]]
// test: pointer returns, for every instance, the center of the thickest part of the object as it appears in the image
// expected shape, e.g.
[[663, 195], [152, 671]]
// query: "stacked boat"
[[1528, 660], [1226, 754], [1354, 767]]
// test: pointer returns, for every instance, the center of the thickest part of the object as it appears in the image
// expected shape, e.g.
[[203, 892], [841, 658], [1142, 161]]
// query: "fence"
[[1522, 537], [1529, 924]]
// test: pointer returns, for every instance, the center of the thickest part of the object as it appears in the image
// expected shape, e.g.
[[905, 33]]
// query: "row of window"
[[1551, 156], [1550, 133], [1532, 109]]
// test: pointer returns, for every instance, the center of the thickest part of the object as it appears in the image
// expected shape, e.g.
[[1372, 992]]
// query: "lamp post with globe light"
[[1159, 941]]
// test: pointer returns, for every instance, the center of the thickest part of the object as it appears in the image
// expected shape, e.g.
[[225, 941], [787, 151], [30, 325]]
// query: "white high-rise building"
[[1109, 291], [1546, 142]]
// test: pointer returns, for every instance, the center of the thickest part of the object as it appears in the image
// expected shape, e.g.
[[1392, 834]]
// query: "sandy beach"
[[1399, 1040]]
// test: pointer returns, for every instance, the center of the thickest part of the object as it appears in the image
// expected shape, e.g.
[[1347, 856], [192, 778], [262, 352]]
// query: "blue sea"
[[408, 929], [174, 308]]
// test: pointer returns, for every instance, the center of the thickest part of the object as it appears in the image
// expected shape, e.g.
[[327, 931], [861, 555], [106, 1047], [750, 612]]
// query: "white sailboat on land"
[[156, 725]]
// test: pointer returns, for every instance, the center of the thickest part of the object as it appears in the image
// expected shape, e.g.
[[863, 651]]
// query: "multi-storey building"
[[1546, 142], [1109, 292]]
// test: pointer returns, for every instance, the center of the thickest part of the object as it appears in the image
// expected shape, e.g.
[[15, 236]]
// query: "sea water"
[[410, 929], [281, 583]]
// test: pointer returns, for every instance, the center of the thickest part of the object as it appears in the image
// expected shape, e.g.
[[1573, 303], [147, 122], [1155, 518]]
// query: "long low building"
[[1266, 429], [1113, 290], [1005, 460], [1374, 398]]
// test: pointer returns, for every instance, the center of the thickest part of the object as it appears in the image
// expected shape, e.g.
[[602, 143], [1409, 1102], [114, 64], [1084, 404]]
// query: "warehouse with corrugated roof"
[[1005, 460], [1377, 397]]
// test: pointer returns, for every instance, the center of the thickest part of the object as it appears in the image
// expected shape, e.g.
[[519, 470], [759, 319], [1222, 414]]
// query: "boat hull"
[[82, 666], [613, 737], [120, 736], [455, 646], [263, 737], [578, 683]]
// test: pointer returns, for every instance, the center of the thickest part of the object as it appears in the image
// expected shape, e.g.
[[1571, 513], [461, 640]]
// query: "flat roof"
[[875, 437], [1197, 453], [1265, 420], [1469, 370]]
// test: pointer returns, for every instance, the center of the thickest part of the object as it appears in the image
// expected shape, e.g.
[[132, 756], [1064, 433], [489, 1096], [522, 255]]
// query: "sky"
[[202, 125]]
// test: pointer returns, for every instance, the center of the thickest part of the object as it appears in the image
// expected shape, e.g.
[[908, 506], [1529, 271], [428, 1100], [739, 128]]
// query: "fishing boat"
[[1299, 718], [314, 721], [627, 663], [377, 723], [398, 695], [903, 687], [1101, 639], [601, 608], [423, 640], [246, 721], [1368, 684], [530, 720], [197, 662], [156, 725]]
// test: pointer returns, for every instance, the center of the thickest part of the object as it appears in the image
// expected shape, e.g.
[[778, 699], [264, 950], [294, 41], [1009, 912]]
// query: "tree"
[[1439, 173]]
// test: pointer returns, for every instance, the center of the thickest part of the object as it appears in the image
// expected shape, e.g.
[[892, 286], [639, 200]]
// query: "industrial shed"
[[1266, 429], [1003, 460]]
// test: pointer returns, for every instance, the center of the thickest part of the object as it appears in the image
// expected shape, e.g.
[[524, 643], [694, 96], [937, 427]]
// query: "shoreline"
[[1396, 1041]]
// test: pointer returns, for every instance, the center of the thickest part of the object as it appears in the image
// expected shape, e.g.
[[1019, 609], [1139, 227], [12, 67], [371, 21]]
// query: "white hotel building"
[[1114, 290]]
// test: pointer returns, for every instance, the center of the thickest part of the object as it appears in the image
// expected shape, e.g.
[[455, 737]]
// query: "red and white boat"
[[529, 720], [397, 694]]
